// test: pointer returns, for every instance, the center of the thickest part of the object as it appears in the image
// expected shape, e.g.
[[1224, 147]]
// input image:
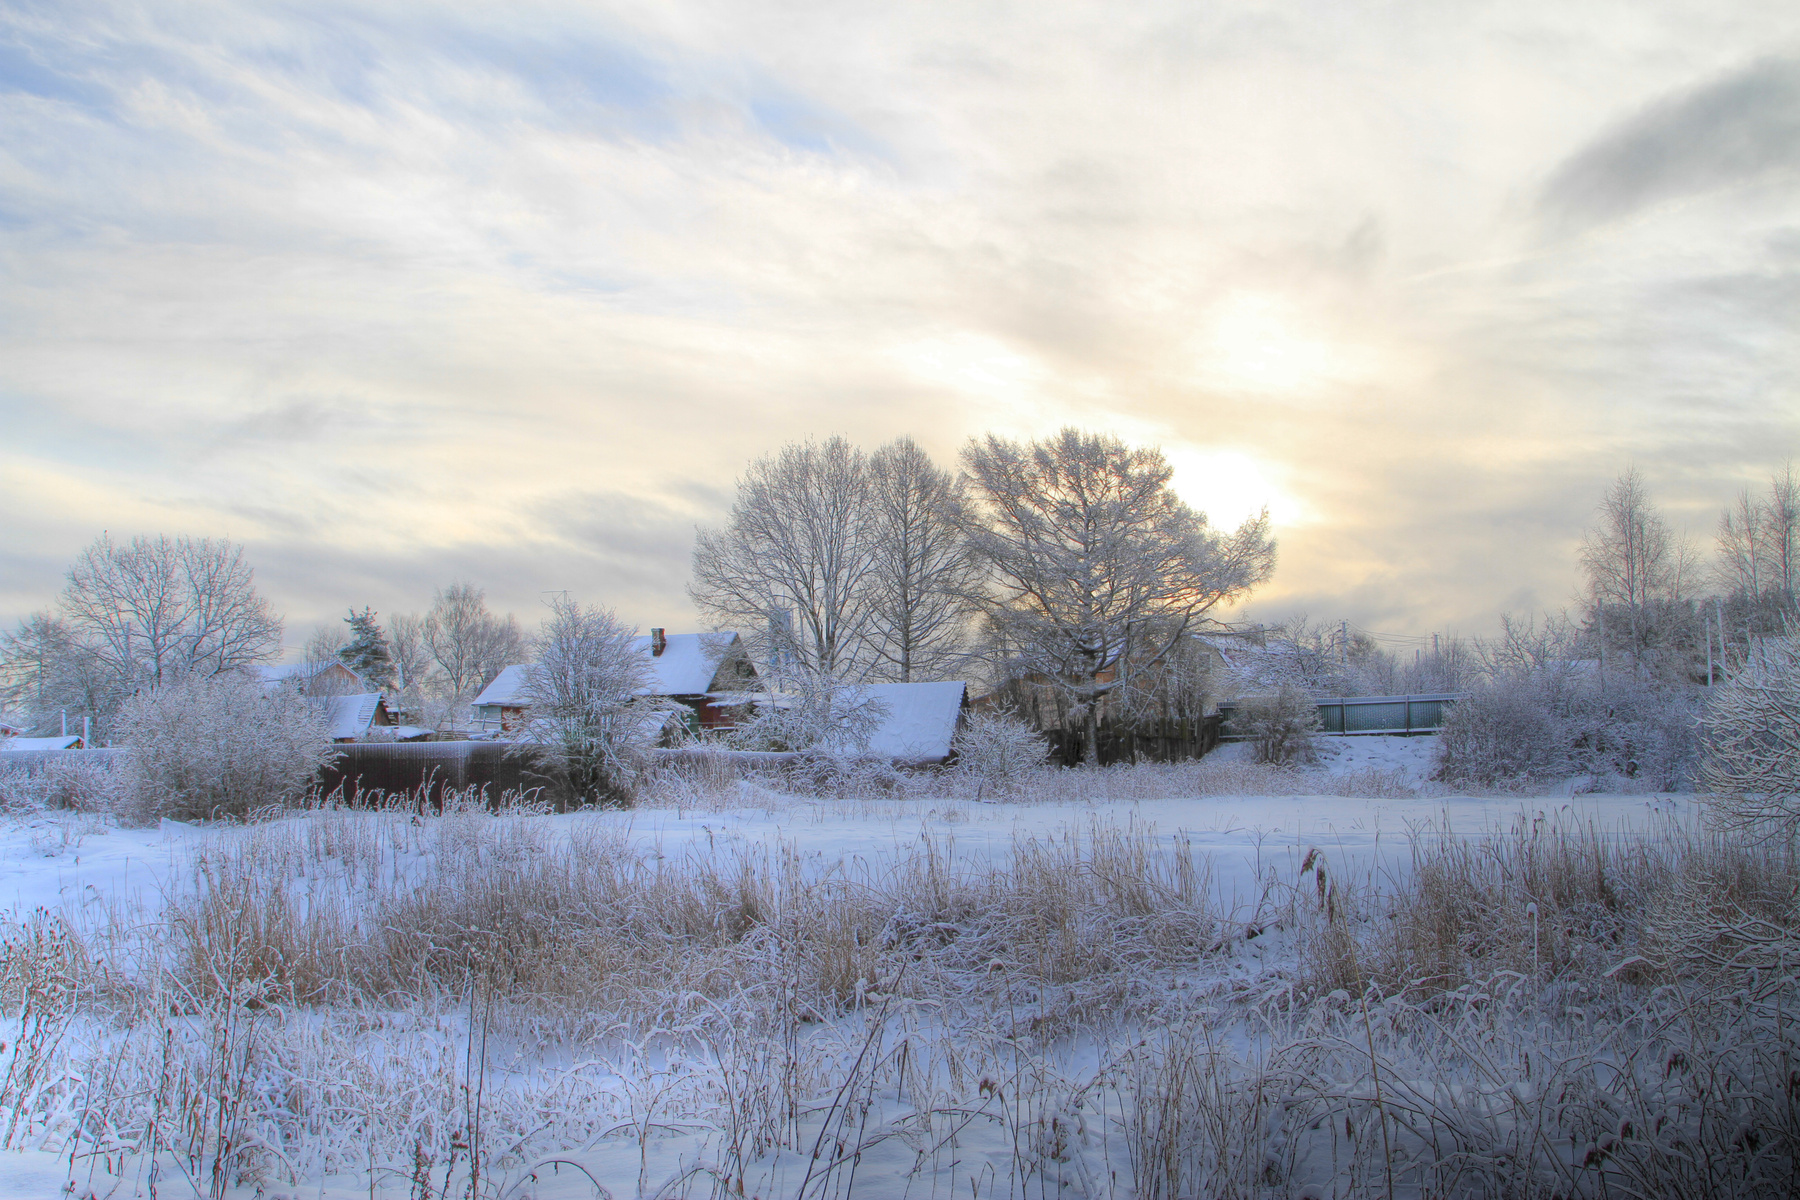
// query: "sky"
[[399, 294]]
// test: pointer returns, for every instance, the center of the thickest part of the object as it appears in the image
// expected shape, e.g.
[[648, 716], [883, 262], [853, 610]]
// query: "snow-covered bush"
[[1281, 726], [221, 746], [1531, 729], [1752, 743], [814, 714], [998, 749], [76, 781], [586, 713]]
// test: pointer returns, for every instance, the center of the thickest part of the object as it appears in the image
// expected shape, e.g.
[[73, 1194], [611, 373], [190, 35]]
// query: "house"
[[328, 678], [12, 727], [352, 717], [691, 669]]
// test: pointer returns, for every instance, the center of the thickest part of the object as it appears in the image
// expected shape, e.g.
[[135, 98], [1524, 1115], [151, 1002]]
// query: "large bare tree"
[[153, 608], [1095, 567], [792, 565], [921, 569]]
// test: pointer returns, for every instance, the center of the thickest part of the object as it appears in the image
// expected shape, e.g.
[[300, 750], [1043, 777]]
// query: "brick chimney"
[[659, 641]]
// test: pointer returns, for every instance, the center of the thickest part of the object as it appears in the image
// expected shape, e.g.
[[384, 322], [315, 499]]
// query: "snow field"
[[1207, 995]]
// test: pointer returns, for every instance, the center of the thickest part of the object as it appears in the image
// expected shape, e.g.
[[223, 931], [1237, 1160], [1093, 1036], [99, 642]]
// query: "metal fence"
[[1375, 714]]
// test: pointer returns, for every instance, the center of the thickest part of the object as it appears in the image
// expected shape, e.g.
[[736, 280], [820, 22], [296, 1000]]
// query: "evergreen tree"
[[368, 654]]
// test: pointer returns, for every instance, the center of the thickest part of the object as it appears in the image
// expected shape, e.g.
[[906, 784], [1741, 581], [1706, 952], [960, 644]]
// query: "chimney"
[[659, 642]]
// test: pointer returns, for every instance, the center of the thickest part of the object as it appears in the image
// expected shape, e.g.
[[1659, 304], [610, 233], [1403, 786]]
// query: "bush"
[[1751, 735], [1281, 726], [998, 750], [222, 746], [1531, 729]]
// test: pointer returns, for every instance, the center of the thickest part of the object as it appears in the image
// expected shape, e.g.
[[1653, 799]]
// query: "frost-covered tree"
[[156, 607], [1639, 574], [221, 746], [468, 642], [815, 714], [792, 565], [411, 656], [1094, 567], [1751, 740], [47, 674], [584, 700], [367, 651], [998, 749], [921, 571]]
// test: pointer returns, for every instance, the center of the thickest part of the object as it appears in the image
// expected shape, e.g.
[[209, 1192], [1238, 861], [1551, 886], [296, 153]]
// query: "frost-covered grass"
[[766, 994]]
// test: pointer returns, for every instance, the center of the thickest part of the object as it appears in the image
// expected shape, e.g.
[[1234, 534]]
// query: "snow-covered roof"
[[687, 667], [10, 745], [507, 689], [919, 722], [350, 716], [302, 672]]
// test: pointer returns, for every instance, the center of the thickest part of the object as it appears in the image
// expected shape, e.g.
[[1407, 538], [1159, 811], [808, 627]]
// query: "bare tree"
[[47, 673], [469, 643], [1095, 568], [921, 570], [585, 698], [1638, 572], [1630, 557], [153, 607], [1741, 545], [792, 564], [412, 657]]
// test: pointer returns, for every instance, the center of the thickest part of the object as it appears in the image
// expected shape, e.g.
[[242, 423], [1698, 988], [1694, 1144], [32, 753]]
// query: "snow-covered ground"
[[630, 1113]]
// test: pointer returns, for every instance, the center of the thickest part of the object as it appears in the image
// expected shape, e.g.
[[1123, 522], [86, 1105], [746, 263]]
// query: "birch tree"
[[921, 569], [1094, 567], [793, 563], [1638, 573]]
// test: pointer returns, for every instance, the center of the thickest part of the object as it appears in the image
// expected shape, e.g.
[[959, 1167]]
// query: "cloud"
[[1740, 128], [396, 295]]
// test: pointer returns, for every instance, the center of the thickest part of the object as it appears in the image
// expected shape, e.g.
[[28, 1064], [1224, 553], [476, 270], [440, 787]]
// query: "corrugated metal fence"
[[1376, 714]]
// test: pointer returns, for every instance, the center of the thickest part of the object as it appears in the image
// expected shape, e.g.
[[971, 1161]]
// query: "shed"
[[919, 720], [351, 717]]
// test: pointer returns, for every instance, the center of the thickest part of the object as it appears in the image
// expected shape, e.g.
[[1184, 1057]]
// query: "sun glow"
[[1230, 485], [1261, 344]]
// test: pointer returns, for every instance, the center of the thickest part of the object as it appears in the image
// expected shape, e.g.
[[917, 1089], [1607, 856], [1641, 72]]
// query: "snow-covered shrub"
[[74, 780], [586, 714], [998, 749], [814, 713], [1531, 729], [1281, 726], [1503, 734], [1752, 743], [222, 746]]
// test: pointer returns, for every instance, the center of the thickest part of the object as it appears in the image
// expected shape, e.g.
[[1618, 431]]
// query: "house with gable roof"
[[692, 669]]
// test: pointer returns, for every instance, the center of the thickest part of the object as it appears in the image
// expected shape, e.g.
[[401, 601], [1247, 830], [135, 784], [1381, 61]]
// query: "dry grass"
[[1553, 1009]]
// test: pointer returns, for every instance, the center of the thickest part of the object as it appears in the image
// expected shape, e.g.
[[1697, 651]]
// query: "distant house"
[[12, 727], [313, 678], [351, 718], [22, 744], [692, 669]]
